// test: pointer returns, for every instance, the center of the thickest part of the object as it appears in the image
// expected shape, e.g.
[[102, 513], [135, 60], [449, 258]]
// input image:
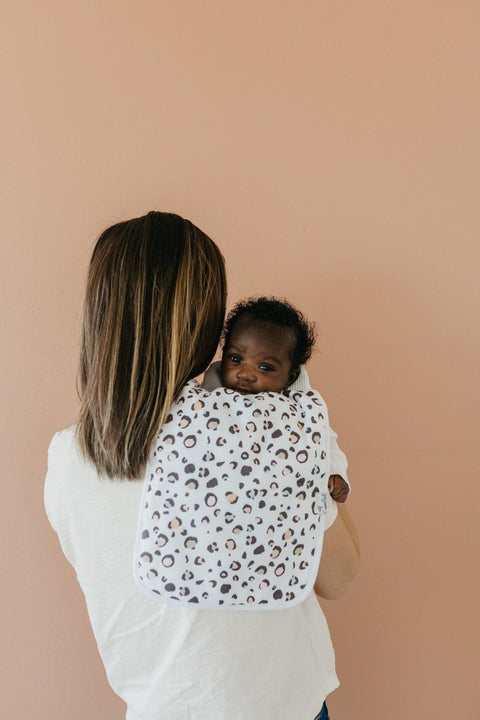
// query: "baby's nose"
[[247, 372]]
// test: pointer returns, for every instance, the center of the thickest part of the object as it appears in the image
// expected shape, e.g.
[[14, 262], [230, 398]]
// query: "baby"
[[266, 341]]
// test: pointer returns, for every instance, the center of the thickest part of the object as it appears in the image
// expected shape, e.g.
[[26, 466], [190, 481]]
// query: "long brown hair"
[[154, 308]]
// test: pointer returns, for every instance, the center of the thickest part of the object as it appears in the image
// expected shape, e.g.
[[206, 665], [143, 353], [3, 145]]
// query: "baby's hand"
[[338, 488]]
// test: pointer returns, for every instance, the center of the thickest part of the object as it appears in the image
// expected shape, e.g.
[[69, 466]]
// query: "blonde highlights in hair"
[[154, 308]]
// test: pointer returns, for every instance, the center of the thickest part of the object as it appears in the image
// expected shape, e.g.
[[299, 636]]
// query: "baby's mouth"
[[244, 391]]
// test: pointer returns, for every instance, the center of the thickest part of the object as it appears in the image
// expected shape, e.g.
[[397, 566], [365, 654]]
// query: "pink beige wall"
[[332, 150]]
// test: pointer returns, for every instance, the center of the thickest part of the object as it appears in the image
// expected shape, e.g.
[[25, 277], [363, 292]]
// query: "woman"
[[154, 308]]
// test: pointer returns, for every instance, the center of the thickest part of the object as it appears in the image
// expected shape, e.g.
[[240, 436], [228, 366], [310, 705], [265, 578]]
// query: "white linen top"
[[180, 663]]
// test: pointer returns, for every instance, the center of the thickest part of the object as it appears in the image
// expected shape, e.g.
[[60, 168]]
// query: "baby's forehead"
[[268, 331]]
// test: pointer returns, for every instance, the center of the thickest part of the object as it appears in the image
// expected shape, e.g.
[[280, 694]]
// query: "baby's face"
[[258, 357]]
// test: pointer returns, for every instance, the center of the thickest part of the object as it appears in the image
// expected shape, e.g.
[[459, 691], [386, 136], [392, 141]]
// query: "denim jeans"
[[323, 714]]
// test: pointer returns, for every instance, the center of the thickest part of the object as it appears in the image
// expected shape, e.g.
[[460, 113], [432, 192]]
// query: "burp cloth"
[[234, 498]]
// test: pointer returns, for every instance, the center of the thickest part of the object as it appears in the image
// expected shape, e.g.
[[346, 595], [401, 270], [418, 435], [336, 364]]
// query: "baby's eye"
[[235, 358], [265, 368]]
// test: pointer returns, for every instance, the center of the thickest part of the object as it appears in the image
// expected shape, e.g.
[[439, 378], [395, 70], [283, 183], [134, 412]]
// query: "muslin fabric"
[[233, 508]]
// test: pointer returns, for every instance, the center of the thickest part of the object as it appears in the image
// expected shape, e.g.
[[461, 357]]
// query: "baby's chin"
[[243, 391], [249, 391]]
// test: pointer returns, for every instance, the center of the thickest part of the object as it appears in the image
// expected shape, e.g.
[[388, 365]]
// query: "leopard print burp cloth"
[[234, 500]]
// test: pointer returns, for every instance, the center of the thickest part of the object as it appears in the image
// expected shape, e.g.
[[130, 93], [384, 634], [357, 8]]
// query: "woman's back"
[[170, 663]]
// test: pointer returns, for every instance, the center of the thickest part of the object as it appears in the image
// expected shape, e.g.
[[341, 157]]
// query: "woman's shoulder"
[[63, 448], [62, 440]]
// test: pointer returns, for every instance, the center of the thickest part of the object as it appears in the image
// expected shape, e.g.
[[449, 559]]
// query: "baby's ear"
[[293, 376]]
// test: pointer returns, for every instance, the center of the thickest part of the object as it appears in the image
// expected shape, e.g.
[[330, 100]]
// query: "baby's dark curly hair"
[[277, 312]]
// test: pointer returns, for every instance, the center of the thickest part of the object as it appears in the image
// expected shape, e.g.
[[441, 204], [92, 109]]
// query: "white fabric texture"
[[232, 513], [169, 662]]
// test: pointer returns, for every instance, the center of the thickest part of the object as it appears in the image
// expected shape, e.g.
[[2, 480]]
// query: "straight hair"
[[154, 308]]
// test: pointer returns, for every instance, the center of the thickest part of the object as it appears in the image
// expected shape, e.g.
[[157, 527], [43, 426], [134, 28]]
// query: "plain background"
[[332, 150]]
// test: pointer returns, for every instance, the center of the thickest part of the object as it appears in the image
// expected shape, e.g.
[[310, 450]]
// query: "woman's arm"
[[340, 558]]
